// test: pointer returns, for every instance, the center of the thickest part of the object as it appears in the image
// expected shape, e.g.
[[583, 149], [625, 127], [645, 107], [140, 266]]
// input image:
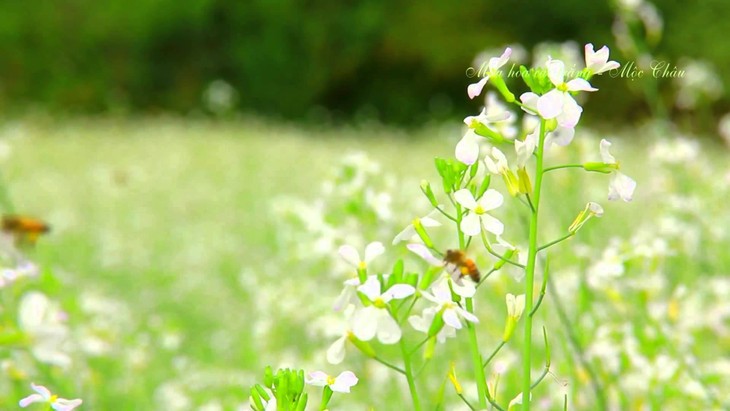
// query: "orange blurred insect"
[[26, 230], [463, 266]]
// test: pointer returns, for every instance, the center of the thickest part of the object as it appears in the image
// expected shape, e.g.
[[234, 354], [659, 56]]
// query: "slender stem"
[[409, 376], [562, 166], [389, 365], [496, 350], [447, 215], [471, 407], [530, 273], [496, 254], [476, 358], [552, 243], [540, 378]]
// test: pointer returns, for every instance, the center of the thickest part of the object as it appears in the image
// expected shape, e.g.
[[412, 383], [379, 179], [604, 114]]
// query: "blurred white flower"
[[350, 254], [620, 185], [597, 61], [342, 383], [410, 231], [423, 323], [467, 149], [43, 322], [495, 63], [43, 395], [559, 103]]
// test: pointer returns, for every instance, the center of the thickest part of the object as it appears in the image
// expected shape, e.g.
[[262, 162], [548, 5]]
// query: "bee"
[[26, 230], [462, 265]]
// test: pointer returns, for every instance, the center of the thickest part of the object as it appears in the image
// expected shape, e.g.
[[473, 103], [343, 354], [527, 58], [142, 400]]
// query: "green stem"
[[562, 166], [496, 350], [476, 358], [409, 376], [530, 273], [552, 243], [389, 365]]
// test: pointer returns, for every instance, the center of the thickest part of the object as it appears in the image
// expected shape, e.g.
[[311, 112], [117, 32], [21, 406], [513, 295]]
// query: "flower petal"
[[491, 199], [550, 105], [492, 225], [399, 291], [467, 315], [344, 381], [63, 404], [371, 288], [404, 235], [451, 318], [317, 378], [465, 198], [561, 136], [579, 84], [470, 225], [570, 114], [556, 71], [31, 399], [475, 89], [621, 186], [529, 102], [365, 323], [350, 254], [606, 156], [388, 330], [373, 250], [423, 252], [336, 351], [467, 149]]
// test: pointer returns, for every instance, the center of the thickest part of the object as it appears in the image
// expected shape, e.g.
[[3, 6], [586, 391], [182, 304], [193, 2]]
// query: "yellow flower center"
[[362, 265], [479, 210], [330, 380], [379, 303], [53, 398]]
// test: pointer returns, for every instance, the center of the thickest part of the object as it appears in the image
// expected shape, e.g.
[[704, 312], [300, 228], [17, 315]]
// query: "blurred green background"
[[398, 61]]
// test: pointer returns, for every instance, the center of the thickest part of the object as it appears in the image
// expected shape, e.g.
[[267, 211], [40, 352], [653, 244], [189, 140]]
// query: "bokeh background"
[[200, 163]]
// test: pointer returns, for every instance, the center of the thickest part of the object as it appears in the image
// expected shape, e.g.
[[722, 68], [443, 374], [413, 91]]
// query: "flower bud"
[[422, 234], [600, 167], [525, 185], [426, 189], [454, 381], [591, 209], [515, 307], [363, 346]]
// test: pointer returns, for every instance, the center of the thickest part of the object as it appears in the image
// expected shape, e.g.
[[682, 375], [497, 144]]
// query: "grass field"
[[183, 280]]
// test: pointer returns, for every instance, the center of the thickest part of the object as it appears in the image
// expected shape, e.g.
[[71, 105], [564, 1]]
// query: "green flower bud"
[[426, 190], [600, 167]]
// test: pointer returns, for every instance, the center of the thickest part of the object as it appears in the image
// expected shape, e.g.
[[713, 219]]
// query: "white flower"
[[597, 61], [450, 311], [496, 162], [558, 103], [410, 231], [350, 254], [375, 319], [524, 149], [620, 186], [472, 223], [44, 324], [336, 351], [43, 395], [341, 383], [348, 294], [495, 63], [561, 136]]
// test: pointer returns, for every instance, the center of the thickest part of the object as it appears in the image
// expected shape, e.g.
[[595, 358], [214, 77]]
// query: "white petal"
[[317, 378], [373, 250], [336, 351], [595, 208], [606, 156], [423, 252], [451, 318], [467, 149], [529, 101], [556, 71], [571, 112], [510, 300], [365, 323], [430, 222], [492, 225], [350, 254], [63, 404], [491, 164], [561, 136], [467, 315], [579, 84], [388, 330], [470, 225], [465, 198], [398, 291], [517, 400], [497, 62], [621, 186], [271, 405], [491, 199], [466, 289], [31, 399], [344, 298], [43, 391], [519, 306], [475, 89], [550, 105], [371, 288], [404, 235], [344, 381]]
